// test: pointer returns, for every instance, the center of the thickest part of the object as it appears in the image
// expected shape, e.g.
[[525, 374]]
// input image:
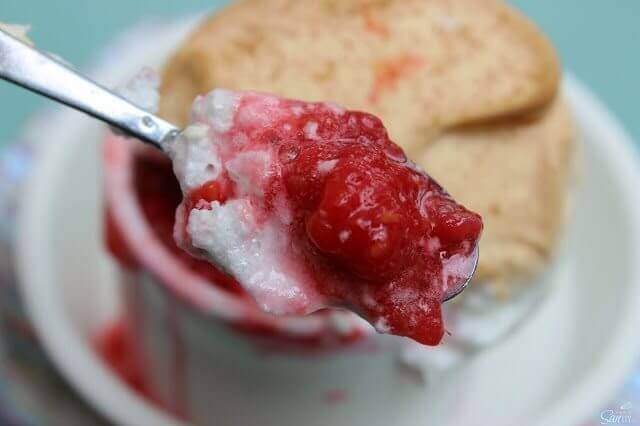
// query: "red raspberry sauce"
[[376, 231]]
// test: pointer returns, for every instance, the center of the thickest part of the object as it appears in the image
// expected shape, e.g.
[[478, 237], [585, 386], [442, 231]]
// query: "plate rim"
[[598, 385]]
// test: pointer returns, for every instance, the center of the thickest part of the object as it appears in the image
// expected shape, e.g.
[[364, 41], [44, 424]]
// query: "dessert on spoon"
[[310, 206], [306, 205]]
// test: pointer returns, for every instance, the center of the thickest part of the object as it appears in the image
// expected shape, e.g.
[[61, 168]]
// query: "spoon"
[[40, 73]]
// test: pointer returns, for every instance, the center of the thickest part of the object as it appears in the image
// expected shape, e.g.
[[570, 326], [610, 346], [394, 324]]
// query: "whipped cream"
[[234, 236]]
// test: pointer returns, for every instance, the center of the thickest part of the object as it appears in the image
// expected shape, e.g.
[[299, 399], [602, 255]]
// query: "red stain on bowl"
[[116, 345], [336, 396]]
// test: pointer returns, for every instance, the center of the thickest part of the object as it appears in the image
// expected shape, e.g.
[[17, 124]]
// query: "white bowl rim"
[[85, 371], [198, 295]]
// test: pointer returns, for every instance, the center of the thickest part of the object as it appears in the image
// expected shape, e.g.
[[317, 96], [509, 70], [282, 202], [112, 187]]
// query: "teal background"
[[597, 40]]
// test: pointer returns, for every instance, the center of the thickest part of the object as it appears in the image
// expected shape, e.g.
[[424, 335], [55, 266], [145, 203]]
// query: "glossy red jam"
[[376, 233]]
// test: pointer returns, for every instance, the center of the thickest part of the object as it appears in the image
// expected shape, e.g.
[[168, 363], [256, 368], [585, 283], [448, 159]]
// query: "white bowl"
[[565, 362]]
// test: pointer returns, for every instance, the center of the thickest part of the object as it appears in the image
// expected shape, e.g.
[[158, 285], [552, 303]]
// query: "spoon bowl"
[[451, 293]]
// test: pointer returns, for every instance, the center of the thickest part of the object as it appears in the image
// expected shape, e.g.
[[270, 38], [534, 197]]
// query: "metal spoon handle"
[[38, 72]]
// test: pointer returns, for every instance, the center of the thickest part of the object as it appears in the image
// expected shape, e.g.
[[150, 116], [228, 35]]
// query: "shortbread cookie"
[[417, 64], [467, 88], [515, 175]]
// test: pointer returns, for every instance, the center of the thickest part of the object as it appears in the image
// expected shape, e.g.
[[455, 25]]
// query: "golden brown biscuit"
[[428, 68], [417, 64], [515, 175]]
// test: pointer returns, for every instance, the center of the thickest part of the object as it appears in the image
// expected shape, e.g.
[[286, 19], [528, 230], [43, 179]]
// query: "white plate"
[[559, 368]]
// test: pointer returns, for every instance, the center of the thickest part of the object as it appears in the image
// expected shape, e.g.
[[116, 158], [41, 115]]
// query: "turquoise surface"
[[597, 40]]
